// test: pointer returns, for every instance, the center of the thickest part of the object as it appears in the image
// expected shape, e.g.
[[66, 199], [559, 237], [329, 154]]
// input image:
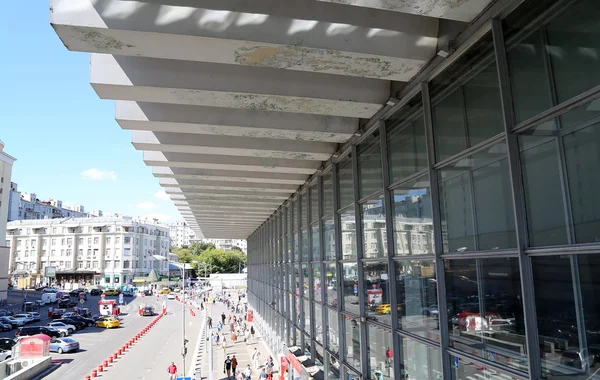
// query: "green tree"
[[184, 255], [198, 248], [236, 248], [221, 261]]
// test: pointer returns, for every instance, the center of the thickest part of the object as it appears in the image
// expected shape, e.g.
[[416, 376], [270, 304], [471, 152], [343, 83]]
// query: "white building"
[[100, 251], [30, 207], [6, 163], [227, 244], [181, 234]]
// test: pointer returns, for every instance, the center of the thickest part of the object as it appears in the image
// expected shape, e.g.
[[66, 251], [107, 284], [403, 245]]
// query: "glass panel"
[[317, 282], [331, 283], [294, 216], [333, 331], [289, 219], [328, 239], [379, 352], [350, 273], [468, 370], [376, 284], [369, 165], [333, 368], [314, 203], [305, 281], [374, 232], [348, 223], [353, 343], [419, 361], [542, 187], [416, 290], [305, 251], [296, 247], [304, 212], [307, 317], [297, 279], [289, 245], [327, 194], [413, 223], [316, 255], [500, 334], [407, 152], [476, 202], [345, 181], [582, 155], [318, 323]]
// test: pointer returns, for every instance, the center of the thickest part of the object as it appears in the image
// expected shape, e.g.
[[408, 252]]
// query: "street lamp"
[[184, 341]]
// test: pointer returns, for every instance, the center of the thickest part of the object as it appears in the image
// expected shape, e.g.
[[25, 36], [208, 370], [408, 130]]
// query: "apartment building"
[[181, 234], [97, 251], [27, 206], [6, 163]]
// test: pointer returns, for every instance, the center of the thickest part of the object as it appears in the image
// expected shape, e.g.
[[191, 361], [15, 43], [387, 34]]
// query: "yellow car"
[[111, 292], [108, 322], [384, 308], [164, 291]]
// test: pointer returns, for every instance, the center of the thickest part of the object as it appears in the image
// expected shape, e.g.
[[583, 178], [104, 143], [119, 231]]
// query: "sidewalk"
[[242, 350]]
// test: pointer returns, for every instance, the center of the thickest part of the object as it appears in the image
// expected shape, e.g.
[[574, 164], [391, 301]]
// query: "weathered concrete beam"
[[295, 35], [229, 175], [205, 161], [224, 193], [176, 118], [218, 185], [231, 146], [243, 87]]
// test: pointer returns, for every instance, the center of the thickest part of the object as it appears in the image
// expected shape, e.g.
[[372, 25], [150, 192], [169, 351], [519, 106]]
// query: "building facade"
[[227, 244], [26, 206], [456, 238], [181, 234], [6, 163], [98, 251]]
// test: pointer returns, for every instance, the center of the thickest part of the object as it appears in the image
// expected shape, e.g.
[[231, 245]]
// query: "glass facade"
[[459, 238]]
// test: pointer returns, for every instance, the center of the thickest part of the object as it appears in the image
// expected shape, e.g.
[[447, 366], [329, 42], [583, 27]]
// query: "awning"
[[139, 280]]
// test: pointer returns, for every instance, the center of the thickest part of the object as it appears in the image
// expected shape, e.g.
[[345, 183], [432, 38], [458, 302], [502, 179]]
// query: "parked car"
[[170, 296], [148, 311], [5, 326], [4, 355], [33, 330], [578, 359], [96, 292], [127, 293], [35, 316], [23, 317], [57, 313], [5, 313], [60, 326], [108, 322], [62, 345], [147, 292], [78, 318], [85, 312], [7, 343], [68, 321], [112, 292], [29, 306], [66, 303], [49, 290], [12, 321]]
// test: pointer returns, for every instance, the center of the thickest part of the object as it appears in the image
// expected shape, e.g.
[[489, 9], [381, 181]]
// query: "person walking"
[[263, 374], [252, 331], [172, 370], [234, 364], [255, 357], [209, 322], [227, 367], [239, 376], [224, 346], [248, 373], [223, 317]]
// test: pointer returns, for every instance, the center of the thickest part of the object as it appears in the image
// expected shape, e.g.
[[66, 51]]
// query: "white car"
[[4, 354], [14, 321], [35, 316], [23, 317], [62, 327], [170, 296]]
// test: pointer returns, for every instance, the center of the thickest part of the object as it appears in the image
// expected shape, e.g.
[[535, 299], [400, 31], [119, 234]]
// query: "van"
[[49, 297]]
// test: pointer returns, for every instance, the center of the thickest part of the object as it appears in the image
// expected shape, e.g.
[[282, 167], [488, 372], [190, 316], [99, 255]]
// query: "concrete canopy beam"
[[231, 146], [229, 175], [247, 200], [183, 183], [243, 87], [178, 118], [224, 193], [452, 10], [300, 35], [239, 206], [205, 161]]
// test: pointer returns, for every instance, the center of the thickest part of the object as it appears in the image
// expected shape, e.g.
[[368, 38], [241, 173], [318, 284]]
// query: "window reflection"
[[369, 165], [331, 285], [468, 370], [345, 181], [332, 330], [318, 323], [374, 233], [476, 202], [317, 282], [413, 224], [350, 273], [492, 288], [314, 203], [348, 223], [416, 290], [327, 194], [377, 291], [333, 368], [419, 361], [305, 251], [328, 239], [316, 254], [380, 353], [353, 343], [307, 316]]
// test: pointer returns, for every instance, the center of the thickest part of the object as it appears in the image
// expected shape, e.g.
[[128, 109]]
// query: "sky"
[[65, 139]]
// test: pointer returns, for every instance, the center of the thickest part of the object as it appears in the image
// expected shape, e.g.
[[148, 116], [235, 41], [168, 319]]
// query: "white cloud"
[[98, 175], [162, 195], [146, 205]]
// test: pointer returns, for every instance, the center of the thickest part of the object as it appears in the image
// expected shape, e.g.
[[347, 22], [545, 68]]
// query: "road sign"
[[455, 362], [102, 295], [82, 301], [81, 295], [184, 378], [121, 298]]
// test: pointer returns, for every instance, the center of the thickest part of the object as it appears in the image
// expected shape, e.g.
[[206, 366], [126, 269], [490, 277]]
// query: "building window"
[[117, 240], [80, 241], [126, 240], [69, 241], [108, 240], [53, 241], [81, 265], [96, 240], [69, 252]]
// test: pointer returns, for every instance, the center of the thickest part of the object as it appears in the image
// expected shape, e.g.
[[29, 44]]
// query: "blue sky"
[[67, 144]]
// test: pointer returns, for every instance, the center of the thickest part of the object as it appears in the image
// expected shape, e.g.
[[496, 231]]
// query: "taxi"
[[384, 308], [108, 322], [111, 292], [164, 291]]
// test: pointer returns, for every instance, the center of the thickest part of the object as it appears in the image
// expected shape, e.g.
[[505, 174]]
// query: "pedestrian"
[[239, 376], [209, 322], [389, 355], [224, 346], [263, 374], [234, 364], [248, 373], [223, 317], [255, 357], [252, 331], [217, 338], [172, 370], [227, 367]]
